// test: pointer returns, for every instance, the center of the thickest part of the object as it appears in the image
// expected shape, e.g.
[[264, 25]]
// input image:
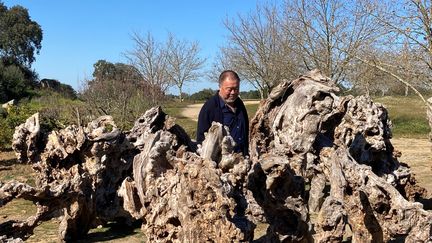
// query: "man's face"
[[229, 90]]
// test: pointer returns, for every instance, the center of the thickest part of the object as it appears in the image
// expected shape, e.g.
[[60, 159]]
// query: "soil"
[[417, 153]]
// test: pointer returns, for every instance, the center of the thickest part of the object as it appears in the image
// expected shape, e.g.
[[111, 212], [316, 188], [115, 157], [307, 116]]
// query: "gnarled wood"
[[25, 139], [179, 195], [299, 125], [318, 164], [79, 171]]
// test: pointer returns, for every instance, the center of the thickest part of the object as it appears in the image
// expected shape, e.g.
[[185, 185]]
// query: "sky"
[[76, 34]]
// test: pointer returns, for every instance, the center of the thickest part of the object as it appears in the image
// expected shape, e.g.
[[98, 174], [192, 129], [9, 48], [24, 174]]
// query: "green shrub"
[[204, 94], [16, 81], [14, 117], [54, 111]]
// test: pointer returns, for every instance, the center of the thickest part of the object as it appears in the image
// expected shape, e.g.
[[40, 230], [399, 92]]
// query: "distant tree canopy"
[[64, 90], [204, 94], [251, 94], [117, 89], [20, 37], [20, 40]]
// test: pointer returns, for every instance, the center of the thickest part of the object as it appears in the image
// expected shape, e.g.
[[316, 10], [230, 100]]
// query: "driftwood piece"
[[299, 125], [79, 171], [319, 164], [25, 139], [179, 195]]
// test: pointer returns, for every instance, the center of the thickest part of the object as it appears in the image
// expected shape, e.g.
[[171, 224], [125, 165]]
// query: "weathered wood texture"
[[318, 164], [25, 140], [339, 143], [79, 171], [179, 195]]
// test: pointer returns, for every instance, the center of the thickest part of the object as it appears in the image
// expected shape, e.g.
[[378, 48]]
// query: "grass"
[[251, 110], [408, 115], [10, 169], [174, 109]]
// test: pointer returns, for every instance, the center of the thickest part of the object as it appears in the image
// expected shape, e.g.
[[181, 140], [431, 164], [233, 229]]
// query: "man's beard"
[[230, 99]]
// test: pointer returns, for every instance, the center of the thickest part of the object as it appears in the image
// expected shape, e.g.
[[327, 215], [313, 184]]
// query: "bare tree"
[[183, 62], [369, 80], [149, 57], [327, 34], [257, 49], [269, 45], [407, 43]]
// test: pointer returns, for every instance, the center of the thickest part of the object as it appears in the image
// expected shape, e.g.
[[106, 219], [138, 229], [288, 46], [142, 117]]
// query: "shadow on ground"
[[115, 231]]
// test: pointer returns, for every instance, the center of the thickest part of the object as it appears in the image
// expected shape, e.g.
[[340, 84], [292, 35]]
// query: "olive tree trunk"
[[319, 164]]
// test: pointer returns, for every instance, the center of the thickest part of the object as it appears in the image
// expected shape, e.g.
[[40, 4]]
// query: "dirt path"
[[417, 153], [192, 111]]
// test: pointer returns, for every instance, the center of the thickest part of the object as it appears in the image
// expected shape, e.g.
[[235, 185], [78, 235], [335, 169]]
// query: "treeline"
[[367, 46]]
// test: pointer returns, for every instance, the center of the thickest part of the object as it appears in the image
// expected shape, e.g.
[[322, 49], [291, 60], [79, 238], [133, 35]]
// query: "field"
[[410, 137], [408, 115]]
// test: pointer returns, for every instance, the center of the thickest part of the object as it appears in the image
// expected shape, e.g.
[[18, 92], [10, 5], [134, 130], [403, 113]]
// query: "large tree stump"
[[318, 164], [343, 142], [179, 195], [79, 171]]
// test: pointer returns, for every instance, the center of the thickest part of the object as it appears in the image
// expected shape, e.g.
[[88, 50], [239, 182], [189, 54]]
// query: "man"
[[228, 109]]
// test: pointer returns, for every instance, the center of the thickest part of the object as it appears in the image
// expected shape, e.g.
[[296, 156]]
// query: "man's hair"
[[228, 74]]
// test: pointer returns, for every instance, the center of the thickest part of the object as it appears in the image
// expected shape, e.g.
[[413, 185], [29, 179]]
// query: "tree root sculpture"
[[179, 195], [340, 146], [79, 171], [319, 164]]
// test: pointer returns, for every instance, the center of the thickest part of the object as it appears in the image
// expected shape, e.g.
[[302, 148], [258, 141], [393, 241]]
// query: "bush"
[[55, 112], [13, 118], [15, 81], [204, 94], [251, 94]]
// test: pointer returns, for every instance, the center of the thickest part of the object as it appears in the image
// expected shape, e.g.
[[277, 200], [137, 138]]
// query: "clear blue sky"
[[78, 33]]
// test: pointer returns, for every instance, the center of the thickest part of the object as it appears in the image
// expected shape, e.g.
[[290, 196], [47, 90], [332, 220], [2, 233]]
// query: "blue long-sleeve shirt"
[[216, 110], [236, 123]]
